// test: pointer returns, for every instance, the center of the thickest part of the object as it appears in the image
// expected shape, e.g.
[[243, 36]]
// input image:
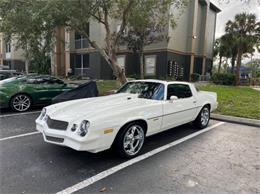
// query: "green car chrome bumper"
[[4, 100]]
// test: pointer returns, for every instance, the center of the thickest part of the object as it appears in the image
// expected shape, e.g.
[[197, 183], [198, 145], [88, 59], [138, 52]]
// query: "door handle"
[[195, 101]]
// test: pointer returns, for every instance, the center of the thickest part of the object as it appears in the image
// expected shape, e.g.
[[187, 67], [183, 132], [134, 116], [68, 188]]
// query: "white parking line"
[[18, 114], [119, 167], [21, 135]]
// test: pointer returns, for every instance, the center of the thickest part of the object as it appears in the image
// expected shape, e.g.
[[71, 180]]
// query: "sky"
[[229, 8]]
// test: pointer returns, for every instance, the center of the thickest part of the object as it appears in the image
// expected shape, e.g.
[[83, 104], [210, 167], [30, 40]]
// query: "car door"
[[44, 88], [179, 111], [53, 87]]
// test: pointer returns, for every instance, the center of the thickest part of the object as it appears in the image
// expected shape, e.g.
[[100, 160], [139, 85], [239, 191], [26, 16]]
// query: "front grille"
[[56, 124], [54, 139]]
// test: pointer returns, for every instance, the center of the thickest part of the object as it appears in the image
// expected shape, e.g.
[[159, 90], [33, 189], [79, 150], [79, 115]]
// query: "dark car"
[[22, 92], [5, 74]]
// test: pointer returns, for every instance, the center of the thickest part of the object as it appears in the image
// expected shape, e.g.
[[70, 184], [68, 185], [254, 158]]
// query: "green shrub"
[[195, 77], [223, 79]]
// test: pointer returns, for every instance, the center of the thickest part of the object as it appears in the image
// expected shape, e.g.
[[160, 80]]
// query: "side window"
[[31, 81], [38, 81], [179, 90], [54, 80], [159, 93]]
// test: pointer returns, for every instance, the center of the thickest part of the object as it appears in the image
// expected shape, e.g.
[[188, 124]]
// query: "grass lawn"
[[236, 101], [107, 85], [233, 101]]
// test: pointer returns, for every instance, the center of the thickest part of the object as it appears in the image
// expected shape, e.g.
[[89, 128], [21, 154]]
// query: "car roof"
[[161, 81], [9, 71]]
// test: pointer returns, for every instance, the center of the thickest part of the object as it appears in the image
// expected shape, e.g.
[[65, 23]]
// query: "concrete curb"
[[239, 120]]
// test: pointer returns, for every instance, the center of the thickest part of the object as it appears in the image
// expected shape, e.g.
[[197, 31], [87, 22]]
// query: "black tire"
[[123, 136], [201, 122], [21, 102]]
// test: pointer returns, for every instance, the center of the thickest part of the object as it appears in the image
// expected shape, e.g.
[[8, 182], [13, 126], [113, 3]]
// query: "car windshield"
[[148, 90], [9, 80]]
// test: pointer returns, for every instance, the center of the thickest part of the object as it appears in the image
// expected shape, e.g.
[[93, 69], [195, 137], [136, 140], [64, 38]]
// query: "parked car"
[[22, 92], [85, 90], [4, 74], [139, 109]]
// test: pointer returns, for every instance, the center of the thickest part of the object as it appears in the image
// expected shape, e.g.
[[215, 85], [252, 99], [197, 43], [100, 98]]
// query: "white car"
[[139, 109]]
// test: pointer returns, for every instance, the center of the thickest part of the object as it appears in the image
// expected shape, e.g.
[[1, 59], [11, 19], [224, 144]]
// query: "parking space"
[[224, 159]]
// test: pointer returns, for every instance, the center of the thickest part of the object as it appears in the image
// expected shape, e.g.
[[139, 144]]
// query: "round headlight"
[[43, 113], [83, 129]]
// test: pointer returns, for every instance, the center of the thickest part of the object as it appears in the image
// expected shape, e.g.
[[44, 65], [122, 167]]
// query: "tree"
[[76, 15], [254, 66], [231, 48], [148, 25], [222, 49], [245, 31], [21, 20]]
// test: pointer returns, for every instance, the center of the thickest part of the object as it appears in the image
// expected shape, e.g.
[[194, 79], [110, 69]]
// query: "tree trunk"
[[27, 60], [233, 60], [118, 72], [239, 59], [220, 62], [26, 66], [141, 59]]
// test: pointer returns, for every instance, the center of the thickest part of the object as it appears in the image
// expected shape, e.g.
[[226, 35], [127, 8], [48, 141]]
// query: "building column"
[[205, 38], [193, 34]]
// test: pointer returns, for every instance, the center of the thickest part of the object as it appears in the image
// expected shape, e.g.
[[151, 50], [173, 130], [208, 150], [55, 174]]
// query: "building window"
[[150, 65], [82, 61], [121, 61], [81, 64], [8, 47], [81, 41]]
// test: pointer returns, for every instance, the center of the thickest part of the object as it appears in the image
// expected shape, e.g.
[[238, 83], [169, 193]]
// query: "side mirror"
[[173, 98]]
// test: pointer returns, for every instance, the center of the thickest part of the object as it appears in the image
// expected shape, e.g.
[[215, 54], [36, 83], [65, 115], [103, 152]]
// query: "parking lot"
[[224, 158]]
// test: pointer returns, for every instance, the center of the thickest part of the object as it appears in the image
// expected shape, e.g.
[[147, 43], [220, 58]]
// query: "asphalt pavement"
[[225, 159]]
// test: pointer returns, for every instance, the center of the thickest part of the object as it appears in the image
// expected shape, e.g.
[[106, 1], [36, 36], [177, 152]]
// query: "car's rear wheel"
[[202, 119], [21, 103], [130, 140]]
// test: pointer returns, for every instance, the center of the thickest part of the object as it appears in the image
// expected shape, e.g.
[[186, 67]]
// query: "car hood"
[[96, 107]]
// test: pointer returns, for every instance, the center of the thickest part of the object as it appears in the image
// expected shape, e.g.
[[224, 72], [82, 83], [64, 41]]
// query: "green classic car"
[[22, 92]]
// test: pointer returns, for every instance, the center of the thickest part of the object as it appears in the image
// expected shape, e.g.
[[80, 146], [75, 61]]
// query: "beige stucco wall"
[[210, 36], [181, 35], [16, 53], [200, 28]]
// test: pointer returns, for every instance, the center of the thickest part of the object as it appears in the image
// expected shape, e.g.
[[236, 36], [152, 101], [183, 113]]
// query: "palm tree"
[[231, 45], [221, 48], [245, 33]]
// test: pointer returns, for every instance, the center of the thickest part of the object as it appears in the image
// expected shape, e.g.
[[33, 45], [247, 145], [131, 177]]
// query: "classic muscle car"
[[139, 109], [21, 92]]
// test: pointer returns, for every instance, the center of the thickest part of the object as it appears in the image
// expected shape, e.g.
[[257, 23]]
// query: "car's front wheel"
[[130, 140], [202, 119], [21, 102]]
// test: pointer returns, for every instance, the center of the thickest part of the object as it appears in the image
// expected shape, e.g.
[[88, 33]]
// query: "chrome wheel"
[[133, 140], [204, 116], [21, 103]]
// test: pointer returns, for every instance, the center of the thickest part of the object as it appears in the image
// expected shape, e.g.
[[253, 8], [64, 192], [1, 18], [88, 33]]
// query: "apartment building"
[[10, 56], [189, 49]]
